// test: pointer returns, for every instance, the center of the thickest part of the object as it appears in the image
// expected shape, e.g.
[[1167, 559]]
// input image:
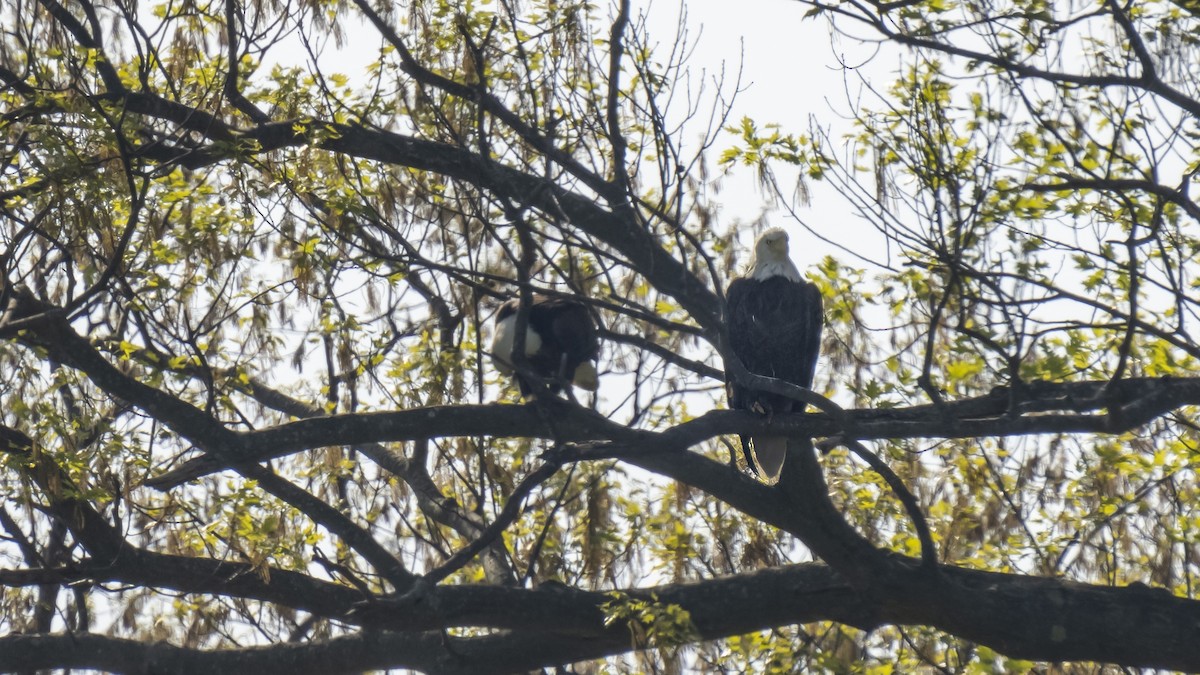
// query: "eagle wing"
[[809, 333], [775, 327], [573, 329]]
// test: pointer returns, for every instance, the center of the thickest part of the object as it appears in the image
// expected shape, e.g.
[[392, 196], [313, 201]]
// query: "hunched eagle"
[[774, 320], [561, 345]]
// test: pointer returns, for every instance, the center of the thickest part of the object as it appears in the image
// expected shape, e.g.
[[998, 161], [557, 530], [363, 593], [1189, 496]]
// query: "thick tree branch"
[[1045, 619], [1041, 408]]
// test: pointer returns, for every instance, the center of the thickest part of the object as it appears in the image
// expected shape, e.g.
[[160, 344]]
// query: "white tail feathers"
[[585, 376], [768, 453]]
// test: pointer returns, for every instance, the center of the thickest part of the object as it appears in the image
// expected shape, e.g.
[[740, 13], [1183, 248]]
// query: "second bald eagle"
[[561, 344], [774, 319]]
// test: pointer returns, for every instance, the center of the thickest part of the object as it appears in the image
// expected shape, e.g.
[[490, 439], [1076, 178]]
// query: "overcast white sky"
[[788, 61], [792, 73]]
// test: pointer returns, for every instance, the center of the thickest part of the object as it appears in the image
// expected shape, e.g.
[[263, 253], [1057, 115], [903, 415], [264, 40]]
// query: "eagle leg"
[[563, 378]]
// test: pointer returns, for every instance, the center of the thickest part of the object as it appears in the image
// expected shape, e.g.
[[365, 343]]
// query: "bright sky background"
[[792, 73]]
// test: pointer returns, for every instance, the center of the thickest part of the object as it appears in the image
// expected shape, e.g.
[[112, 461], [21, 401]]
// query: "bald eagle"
[[774, 320], [561, 345]]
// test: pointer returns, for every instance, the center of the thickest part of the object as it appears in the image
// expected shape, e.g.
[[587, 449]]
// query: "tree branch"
[[1047, 408], [1044, 619]]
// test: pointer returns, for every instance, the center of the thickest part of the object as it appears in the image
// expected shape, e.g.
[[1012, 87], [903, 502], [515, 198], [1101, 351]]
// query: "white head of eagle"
[[771, 257], [561, 343], [774, 320]]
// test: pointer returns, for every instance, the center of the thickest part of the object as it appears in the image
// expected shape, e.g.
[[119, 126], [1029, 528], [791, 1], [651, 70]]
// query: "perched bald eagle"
[[774, 319], [561, 344]]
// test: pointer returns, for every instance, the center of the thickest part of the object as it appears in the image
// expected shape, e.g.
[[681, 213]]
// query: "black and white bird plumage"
[[561, 343], [774, 319]]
